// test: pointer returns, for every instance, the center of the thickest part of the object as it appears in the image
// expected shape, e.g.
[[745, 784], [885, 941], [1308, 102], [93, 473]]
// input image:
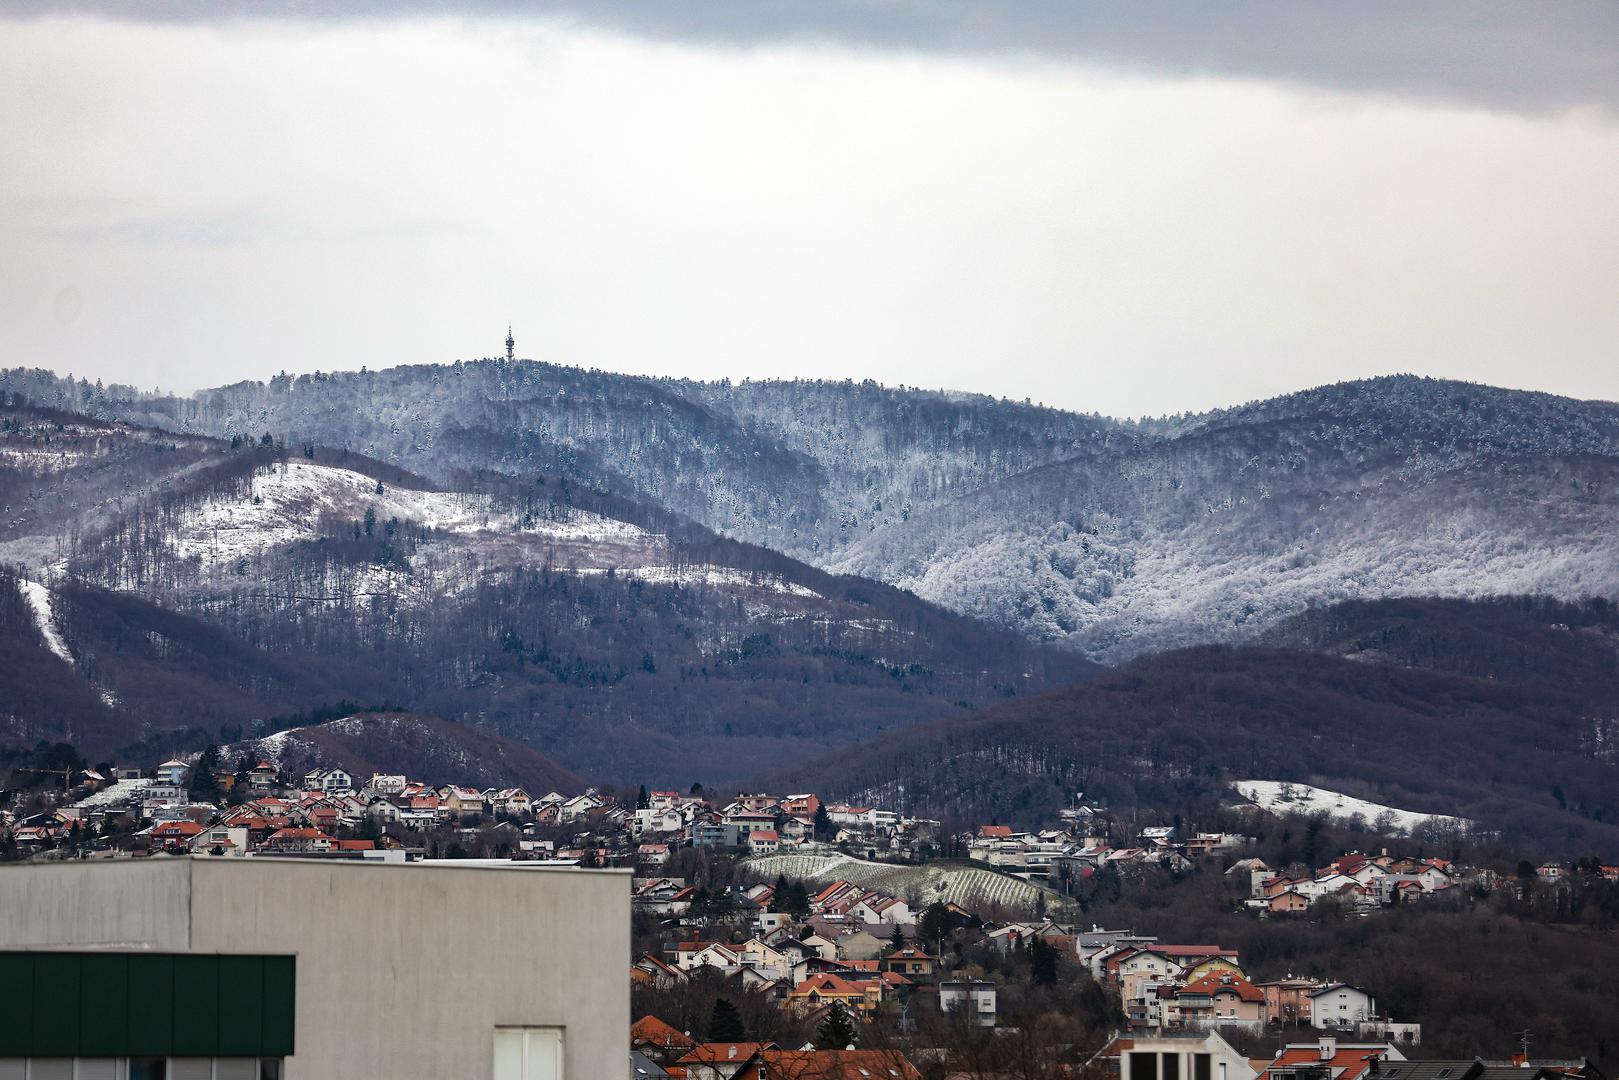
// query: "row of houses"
[[764, 824], [1169, 986], [659, 1050], [261, 810], [1203, 1054], [1355, 880], [1080, 848]]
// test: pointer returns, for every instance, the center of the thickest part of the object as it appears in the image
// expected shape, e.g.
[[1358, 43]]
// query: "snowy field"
[[1281, 797]]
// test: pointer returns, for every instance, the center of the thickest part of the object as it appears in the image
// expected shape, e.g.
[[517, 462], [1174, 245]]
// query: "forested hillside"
[[802, 467], [405, 744], [1513, 638], [172, 587], [1532, 761], [1114, 538], [1390, 487]]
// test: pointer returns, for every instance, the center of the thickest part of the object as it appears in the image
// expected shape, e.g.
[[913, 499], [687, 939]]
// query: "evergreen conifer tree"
[[836, 1031], [725, 1024]]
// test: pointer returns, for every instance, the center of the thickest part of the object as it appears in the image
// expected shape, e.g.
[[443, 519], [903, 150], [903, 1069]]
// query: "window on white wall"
[[528, 1053]]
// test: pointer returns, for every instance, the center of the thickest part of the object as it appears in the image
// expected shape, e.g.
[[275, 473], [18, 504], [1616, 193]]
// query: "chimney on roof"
[[730, 1051], [1329, 1047]]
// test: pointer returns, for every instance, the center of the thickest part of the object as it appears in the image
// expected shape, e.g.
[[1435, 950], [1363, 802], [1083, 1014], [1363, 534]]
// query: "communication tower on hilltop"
[[510, 344]]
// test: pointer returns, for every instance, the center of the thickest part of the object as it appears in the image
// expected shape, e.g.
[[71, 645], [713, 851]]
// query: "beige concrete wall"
[[403, 970], [406, 970], [120, 904]]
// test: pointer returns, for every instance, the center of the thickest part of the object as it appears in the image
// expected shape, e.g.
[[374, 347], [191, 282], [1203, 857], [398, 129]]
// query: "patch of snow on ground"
[[271, 747], [1279, 796], [39, 599], [726, 577], [40, 458]]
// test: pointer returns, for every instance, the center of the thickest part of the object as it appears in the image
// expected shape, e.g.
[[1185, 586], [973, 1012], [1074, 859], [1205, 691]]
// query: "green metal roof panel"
[[104, 1004], [110, 1004], [16, 973], [58, 988], [196, 1006], [151, 1004], [241, 1031], [280, 994]]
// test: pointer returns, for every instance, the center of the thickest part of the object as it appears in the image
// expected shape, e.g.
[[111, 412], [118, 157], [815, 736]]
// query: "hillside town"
[[822, 972]]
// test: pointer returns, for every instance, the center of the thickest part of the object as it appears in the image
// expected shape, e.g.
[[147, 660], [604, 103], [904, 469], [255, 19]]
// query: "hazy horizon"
[[192, 392]]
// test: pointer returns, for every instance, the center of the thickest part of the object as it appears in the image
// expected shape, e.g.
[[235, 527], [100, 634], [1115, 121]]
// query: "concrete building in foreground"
[[289, 969]]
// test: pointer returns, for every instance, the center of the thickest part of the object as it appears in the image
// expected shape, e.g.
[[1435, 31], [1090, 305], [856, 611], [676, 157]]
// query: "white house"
[[220, 840], [386, 784], [972, 995], [330, 781], [658, 821], [173, 773], [1339, 1005], [578, 806]]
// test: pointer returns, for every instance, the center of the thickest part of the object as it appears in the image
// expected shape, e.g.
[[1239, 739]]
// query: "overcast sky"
[[1131, 208]]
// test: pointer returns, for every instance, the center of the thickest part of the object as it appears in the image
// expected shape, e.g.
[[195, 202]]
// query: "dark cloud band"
[[1496, 54]]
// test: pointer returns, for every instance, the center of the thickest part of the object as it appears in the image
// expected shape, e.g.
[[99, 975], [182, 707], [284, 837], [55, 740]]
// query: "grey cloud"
[[1496, 54]]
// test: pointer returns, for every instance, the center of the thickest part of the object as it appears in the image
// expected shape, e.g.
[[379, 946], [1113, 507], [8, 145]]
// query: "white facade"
[[978, 998], [1341, 1006]]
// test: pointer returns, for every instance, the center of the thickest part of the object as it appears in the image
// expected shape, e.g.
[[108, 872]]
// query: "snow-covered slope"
[[39, 601], [1281, 797], [290, 519], [287, 503], [1397, 487]]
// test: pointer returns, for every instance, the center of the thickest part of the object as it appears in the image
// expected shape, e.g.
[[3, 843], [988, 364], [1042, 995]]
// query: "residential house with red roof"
[[302, 840], [1338, 1060], [837, 1065], [824, 989], [660, 1040], [1220, 998], [724, 1061]]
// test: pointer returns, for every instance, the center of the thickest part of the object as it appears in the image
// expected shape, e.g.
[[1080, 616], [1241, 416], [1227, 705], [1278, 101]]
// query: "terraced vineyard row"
[[972, 886]]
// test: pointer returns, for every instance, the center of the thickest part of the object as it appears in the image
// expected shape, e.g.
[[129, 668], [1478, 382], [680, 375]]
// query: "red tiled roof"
[[838, 1065], [1193, 950], [828, 983], [1351, 1059], [995, 830], [705, 1053], [1217, 982], [650, 1029], [177, 828]]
